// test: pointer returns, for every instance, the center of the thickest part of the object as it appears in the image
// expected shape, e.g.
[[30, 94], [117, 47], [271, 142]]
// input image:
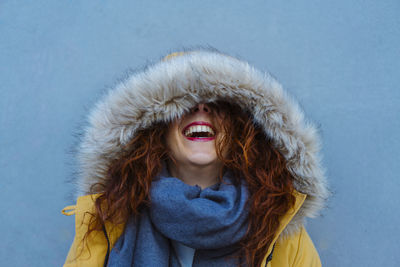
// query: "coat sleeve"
[[295, 251], [307, 254], [91, 251]]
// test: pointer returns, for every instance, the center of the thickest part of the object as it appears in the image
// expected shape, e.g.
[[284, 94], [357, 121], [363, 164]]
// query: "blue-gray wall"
[[340, 58]]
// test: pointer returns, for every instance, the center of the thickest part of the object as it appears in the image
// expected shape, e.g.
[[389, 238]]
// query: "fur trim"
[[171, 87]]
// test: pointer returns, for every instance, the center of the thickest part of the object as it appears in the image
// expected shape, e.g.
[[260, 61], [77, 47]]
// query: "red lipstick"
[[199, 139]]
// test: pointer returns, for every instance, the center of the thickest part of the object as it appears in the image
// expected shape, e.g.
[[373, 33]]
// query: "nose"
[[201, 108]]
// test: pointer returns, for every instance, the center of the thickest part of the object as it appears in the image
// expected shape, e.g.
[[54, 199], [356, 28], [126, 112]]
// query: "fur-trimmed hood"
[[171, 87]]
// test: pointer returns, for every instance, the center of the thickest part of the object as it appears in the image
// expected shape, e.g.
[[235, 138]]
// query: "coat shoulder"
[[295, 250], [89, 250]]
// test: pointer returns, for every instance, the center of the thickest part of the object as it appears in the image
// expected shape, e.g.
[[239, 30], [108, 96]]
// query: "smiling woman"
[[200, 160], [192, 141]]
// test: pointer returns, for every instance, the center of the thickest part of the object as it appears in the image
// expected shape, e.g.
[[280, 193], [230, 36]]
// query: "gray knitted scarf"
[[212, 221]]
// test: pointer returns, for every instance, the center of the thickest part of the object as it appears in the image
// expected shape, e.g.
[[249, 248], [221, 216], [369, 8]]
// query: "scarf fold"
[[212, 221]]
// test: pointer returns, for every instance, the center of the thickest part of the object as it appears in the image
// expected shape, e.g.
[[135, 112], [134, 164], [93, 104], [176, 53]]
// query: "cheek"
[[172, 138]]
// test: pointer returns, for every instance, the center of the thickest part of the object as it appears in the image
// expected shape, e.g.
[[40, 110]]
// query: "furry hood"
[[171, 87]]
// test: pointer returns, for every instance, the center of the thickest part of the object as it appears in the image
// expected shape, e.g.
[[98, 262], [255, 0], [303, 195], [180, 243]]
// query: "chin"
[[204, 160]]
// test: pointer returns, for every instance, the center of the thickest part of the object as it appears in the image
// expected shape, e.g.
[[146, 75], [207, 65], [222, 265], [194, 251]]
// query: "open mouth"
[[199, 131]]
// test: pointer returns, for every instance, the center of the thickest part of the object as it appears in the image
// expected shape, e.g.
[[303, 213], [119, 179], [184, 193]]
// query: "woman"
[[200, 160]]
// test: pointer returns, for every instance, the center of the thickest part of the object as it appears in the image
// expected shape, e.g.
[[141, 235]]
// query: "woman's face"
[[191, 139]]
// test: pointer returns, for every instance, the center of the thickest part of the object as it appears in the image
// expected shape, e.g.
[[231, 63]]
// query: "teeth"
[[198, 129]]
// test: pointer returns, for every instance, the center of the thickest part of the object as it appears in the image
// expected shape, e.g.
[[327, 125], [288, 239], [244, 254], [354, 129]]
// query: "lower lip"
[[200, 139]]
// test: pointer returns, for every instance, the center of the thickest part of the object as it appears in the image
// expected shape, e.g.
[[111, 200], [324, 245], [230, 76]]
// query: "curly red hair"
[[251, 156]]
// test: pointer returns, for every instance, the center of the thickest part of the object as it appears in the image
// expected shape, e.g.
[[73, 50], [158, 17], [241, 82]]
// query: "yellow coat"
[[294, 250]]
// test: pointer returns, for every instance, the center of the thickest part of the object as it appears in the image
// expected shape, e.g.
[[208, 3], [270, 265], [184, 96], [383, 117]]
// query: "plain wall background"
[[340, 59]]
